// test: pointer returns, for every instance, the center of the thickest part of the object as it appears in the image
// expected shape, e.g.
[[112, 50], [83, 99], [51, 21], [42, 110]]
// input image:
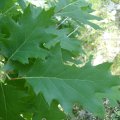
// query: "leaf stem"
[[62, 22], [73, 31]]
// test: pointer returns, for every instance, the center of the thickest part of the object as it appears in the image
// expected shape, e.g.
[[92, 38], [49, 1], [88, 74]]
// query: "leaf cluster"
[[37, 45]]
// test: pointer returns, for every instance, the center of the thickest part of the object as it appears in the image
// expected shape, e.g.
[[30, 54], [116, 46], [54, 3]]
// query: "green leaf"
[[43, 110], [29, 42], [66, 3], [25, 39], [69, 84], [11, 104], [70, 44], [6, 5], [75, 10]]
